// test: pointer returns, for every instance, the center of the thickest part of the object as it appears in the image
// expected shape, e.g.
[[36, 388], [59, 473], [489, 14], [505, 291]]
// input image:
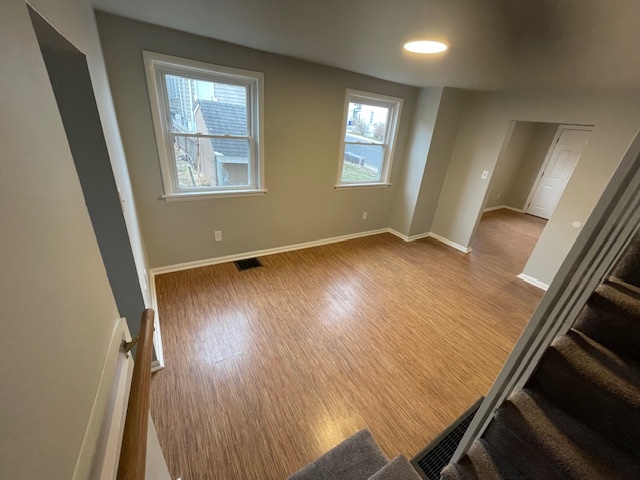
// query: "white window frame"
[[156, 66], [394, 105]]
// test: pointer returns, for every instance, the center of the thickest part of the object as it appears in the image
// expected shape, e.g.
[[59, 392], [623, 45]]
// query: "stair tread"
[[596, 385], [397, 469], [356, 458], [612, 318], [543, 441], [482, 461]]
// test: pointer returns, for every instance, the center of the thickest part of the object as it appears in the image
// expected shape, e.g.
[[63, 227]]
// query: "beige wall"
[[442, 142], [530, 164], [303, 115], [519, 165], [56, 306], [433, 133], [412, 170], [484, 124]]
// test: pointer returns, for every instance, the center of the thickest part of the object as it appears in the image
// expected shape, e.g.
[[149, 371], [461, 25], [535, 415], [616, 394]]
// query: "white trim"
[[402, 236], [96, 440], [192, 196], [156, 65], [499, 207], [491, 209], [394, 104], [533, 281], [513, 209], [288, 248], [116, 427], [406, 238], [356, 186], [413, 238], [450, 243], [547, 158], [157, 364], [262, 253]]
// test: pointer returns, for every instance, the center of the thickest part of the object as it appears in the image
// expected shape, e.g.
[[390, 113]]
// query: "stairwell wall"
[[57, 309]]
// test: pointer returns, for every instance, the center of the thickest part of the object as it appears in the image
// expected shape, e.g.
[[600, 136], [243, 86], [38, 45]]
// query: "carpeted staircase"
[[578, 417], [357, 458]]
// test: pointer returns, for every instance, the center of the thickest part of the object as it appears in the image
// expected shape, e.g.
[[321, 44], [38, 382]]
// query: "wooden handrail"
[[133, 455]]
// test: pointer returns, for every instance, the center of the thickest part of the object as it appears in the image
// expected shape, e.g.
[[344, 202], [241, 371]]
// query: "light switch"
[[485, 174]]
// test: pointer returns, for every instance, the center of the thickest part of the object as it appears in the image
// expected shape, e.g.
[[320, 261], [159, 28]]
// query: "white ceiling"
[[494, 44]]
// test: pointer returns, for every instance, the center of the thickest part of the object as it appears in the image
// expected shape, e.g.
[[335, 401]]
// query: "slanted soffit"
[[494, 44]]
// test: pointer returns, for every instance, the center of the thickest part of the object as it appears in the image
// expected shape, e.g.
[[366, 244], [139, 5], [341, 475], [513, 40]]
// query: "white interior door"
[[561, 161]]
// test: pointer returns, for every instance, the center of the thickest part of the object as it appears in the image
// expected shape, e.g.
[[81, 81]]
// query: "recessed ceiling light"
[[425, 46]]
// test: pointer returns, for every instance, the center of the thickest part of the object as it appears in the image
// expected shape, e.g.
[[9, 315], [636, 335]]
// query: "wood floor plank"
[[267, 369]]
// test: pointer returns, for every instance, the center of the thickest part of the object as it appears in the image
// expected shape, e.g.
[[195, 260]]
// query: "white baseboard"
[[100, 448], [410, 238], [499, 207], [533, 281], [263, 253], [157, 364], [519, 210], [398, 234], [448, 242], [491, 209], [287, 248], [413, 238]]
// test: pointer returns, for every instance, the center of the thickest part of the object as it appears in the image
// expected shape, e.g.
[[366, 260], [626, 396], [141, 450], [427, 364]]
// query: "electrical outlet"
[[364, 215], [485, 174], [218, 235]]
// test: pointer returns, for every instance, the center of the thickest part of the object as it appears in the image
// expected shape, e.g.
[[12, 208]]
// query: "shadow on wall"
[[72, 87]]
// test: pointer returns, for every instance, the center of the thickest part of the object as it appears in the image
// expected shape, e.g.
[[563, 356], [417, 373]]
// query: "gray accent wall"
[[303, 109], [57, 310], [69, 74]]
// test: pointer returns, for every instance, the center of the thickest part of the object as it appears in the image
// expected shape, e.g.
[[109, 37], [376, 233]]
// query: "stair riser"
[[607, 413], [520, 454], [612, 326], [628, 269], [559, 443]]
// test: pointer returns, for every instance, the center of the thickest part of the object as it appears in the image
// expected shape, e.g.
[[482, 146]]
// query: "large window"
[[207, 122], [368, 139]]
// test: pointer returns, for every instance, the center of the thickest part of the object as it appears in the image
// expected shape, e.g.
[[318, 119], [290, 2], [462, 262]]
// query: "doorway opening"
[[534, 167]]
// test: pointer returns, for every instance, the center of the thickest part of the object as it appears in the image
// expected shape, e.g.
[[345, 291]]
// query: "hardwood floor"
[[267, 369]]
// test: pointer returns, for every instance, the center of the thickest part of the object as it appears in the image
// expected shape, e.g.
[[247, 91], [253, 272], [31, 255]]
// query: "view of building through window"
[[210, 131], [365, 138]]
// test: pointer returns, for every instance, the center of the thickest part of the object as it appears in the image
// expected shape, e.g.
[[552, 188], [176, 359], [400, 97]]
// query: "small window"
[[369, 133], [207, 121]]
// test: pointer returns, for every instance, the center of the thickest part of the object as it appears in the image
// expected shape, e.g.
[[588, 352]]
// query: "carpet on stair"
[[628, 268], [543, 441], [397, 469], [356, 458], [612, 318], [598, 387], [482, 461]]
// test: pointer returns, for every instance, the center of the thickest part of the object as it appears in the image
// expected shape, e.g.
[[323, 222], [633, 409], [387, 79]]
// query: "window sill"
[[356, 186], [185, 197]]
